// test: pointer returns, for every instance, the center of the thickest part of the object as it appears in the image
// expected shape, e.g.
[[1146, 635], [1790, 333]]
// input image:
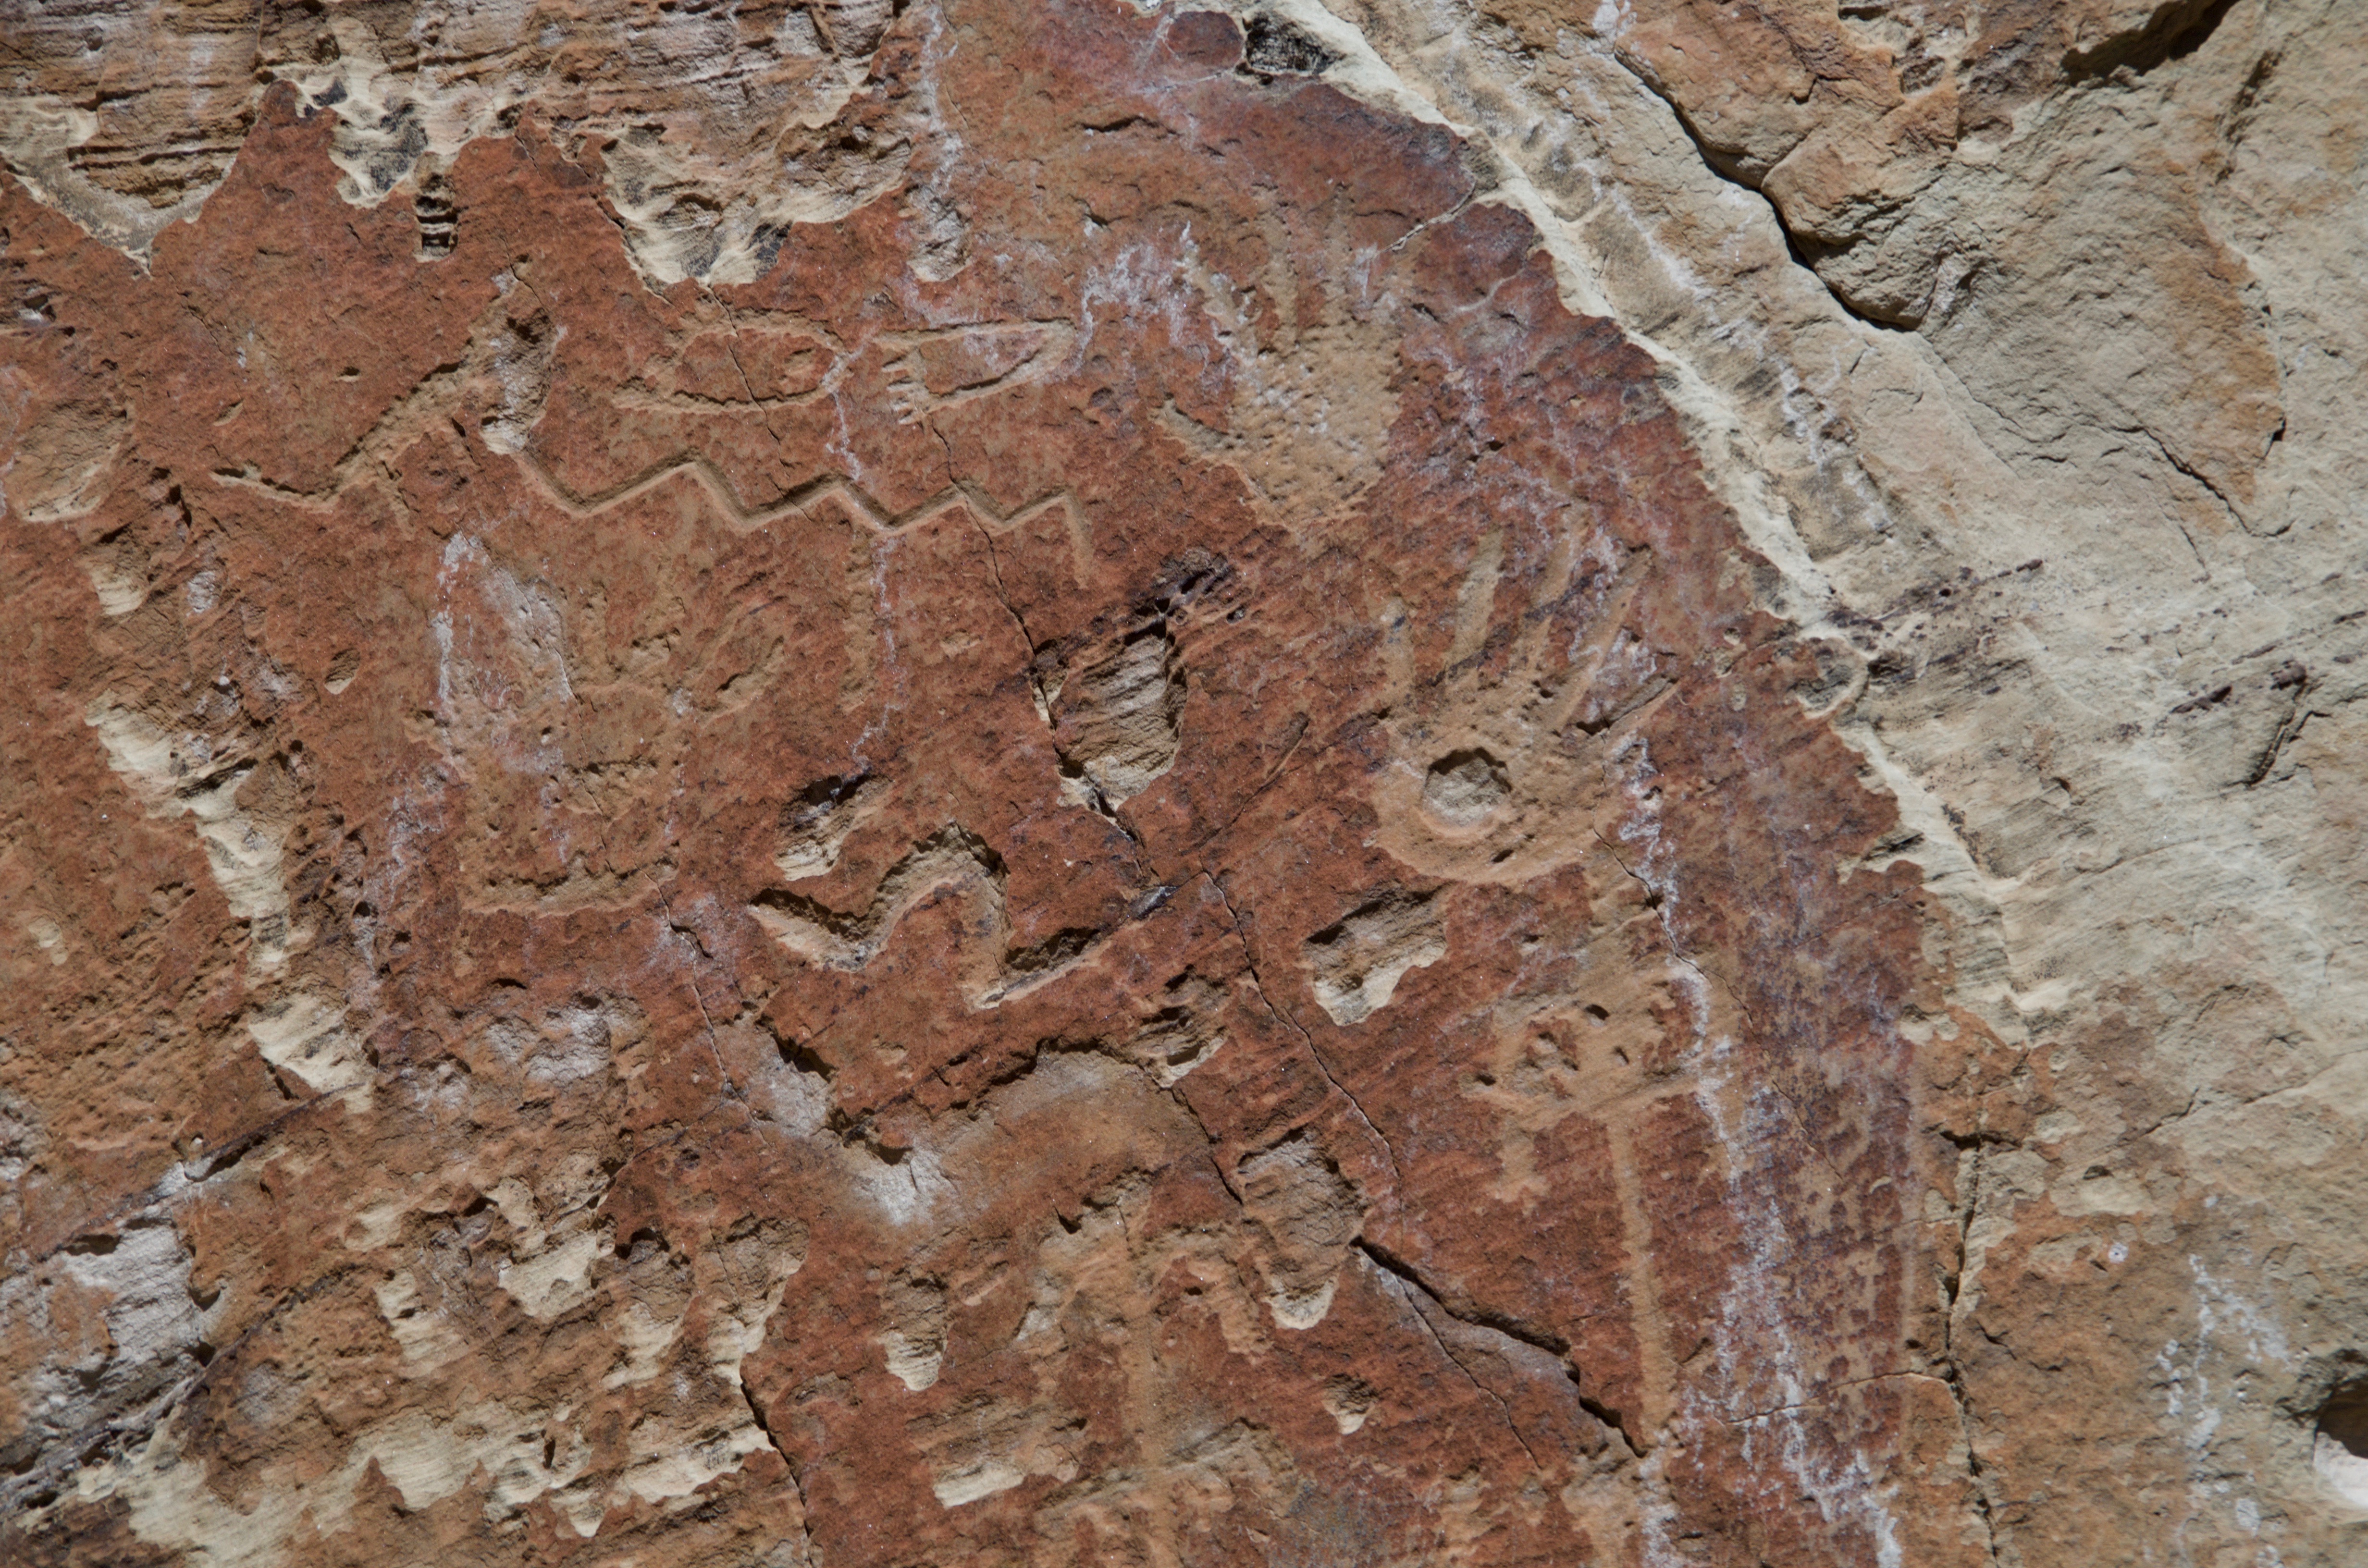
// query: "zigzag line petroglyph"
[[746, 519], [411, 414], [798, 502]]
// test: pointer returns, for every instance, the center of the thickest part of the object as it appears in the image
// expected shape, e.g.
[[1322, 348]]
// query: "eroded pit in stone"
[[2340, 1450], [1464, 787]]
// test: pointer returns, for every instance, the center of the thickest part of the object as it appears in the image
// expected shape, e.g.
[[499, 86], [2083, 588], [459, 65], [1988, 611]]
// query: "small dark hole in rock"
[[2345, 1419], [1277, 49]]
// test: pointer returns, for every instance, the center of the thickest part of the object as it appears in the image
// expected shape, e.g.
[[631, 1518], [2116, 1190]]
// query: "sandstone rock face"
[[1096, 783]]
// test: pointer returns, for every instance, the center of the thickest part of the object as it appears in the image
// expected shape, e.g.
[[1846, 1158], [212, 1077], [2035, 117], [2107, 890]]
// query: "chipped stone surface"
[[1098, 782]]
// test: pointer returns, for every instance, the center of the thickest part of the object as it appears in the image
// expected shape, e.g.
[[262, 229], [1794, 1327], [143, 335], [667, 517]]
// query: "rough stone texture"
[[1077, 784]]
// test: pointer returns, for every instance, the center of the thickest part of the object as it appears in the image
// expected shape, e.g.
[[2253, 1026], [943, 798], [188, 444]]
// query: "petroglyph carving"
[[816, 822], [772, 361], [952, 860], [1184, 1033], [1311, 398], [916, 1338], [1635, 966], [800, 502], [987, 1445], [241, 807], [1499, 769], [936, 370], [1117, 718], [1357, 963], [57, 466], [1464, 788], [1349, 1401], [1306, 1218], [305, 1036]]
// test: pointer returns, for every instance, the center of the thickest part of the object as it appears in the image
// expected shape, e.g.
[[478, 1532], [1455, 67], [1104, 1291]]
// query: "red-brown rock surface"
[[1028, 784]]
